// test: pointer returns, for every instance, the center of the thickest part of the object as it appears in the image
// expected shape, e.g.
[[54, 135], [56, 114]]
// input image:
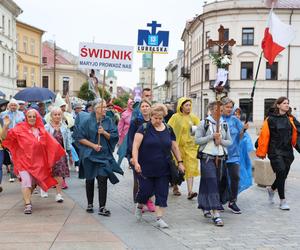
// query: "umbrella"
[[118, 108], [3, 102], [2, 94], [34, 94]]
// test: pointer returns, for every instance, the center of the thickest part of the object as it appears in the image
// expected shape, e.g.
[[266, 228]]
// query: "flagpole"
[[253, 89], [102, 101]]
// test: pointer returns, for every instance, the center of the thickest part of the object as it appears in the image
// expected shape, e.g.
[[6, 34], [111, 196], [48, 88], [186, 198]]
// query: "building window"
[[17, 42], [3, 63], [32, 76], [9, 27], [9, 65], [25, 73], [3, 24], [271, 71], [66, 81], [269, 102], [207, 37], [206, 101], [246, 70], [32, 47], [248, 36], [226, 38], [17, 72], [44, 60], [244, 105], [206, 72], [45, 81], [25, 44]]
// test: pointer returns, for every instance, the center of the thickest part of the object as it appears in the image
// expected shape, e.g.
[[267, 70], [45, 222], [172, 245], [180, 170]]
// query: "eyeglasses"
[[31, 116]]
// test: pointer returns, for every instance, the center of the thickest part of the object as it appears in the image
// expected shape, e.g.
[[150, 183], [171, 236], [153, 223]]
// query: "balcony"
[[226, 86], [185, 72]]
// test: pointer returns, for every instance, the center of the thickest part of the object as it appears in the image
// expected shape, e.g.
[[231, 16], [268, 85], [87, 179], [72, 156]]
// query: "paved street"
[[68, 226]]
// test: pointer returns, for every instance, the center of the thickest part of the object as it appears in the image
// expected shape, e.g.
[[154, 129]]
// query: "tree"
[[87, 95], [122, 100]]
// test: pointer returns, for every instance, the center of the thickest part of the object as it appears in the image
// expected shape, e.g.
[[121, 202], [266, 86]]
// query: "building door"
[[45, 82], [244, 106], [269, 102], [66, 81]]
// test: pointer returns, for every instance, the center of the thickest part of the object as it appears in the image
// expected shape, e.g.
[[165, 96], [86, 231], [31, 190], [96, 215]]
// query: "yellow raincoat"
[[181, 125]]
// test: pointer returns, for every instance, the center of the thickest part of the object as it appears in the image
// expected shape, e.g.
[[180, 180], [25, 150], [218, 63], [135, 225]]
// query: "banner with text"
[[105, 56]]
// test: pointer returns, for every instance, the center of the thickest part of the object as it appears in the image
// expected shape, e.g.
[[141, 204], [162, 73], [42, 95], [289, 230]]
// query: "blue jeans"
[[1, 163]]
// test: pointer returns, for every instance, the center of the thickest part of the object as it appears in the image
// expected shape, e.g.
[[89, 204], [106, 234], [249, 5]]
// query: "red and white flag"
[[278, 36]]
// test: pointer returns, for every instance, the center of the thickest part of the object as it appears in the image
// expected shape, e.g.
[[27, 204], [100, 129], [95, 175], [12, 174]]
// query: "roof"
[[290, 4], [48, 51], [30, 26]]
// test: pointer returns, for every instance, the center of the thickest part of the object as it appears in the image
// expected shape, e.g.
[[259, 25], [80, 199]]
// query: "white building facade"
[[9, 11], [244, 21]]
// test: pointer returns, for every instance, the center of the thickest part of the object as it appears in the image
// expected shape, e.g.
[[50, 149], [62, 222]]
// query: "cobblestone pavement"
[[260, 226]]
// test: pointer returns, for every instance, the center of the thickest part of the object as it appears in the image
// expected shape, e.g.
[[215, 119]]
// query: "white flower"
[[225, 60]]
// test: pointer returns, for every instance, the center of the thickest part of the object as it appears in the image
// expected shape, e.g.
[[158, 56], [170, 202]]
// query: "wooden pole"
[[151, 75], [102, 101]]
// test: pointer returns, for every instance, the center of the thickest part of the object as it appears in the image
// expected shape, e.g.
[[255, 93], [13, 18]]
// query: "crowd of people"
[[39, 144]]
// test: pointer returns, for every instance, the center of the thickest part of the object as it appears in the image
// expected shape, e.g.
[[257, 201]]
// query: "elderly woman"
[[182, 122], [212, 151], [34, 152], [63, 136], [152, 145], [97, 136]]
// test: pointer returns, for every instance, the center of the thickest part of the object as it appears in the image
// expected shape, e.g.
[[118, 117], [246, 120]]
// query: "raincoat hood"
[[180, 102]]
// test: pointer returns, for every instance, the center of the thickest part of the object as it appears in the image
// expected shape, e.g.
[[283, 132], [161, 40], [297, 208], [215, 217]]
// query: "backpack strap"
[[206, 125]]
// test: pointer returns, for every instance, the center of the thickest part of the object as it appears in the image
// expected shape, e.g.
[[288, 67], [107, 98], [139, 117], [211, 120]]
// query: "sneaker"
[[28, 209], [283, 205], [12, 180], [90, 208], [138, 213], [150, 206], [44, 194], [77, 169], [271, 194], [35, 191], [218, 221], [64, 184], [59, 198], [103, 211], [1, 189], [160, 223], [234, 208]]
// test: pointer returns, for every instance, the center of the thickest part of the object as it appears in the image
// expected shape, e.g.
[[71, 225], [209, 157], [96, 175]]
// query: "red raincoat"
[[35, 155]]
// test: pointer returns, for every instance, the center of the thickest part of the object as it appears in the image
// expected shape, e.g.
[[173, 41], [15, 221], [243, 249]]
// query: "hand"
[[101, 130], [181, 167], [67, 98], [217, 136], [97, 147], [6, 121], [138, 168], [246, 126], [131, 161]]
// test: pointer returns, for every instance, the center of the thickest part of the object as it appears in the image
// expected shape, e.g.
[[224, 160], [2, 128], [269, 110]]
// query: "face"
[[78, 109], [101, 109], [63, 108], [145, 109], [237, 113], [13, 107], [31, 118], [130, 105], [157, 120], [284, 106], [56, 116], [147, 95], [186, 108], [21, 107], [90, 109], [227, 108]]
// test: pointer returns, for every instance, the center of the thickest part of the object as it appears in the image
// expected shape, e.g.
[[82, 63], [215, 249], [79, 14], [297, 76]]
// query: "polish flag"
[[278, 36]]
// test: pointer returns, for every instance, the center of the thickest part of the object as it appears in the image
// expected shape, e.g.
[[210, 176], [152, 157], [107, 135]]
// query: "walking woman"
[[3, 132], [63, 136], [152, 145], [34, 152], [97, 158], [145, 109], [212, 149], [181, 122], [277, 139]]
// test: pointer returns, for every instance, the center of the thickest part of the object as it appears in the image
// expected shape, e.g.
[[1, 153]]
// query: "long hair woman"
[[277, 139]]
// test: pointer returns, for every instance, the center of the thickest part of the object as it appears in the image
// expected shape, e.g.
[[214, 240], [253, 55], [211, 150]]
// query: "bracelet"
[[180, 161]]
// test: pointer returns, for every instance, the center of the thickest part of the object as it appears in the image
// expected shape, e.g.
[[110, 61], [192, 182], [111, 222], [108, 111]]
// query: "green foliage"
[[87, 95], [122, 100]]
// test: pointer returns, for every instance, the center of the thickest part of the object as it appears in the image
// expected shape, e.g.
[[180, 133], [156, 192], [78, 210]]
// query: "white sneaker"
[[44, 194], [12, 180], [138, 213], [271, 194], [77, 169], [283, 205], [59, 198], [160, 223]]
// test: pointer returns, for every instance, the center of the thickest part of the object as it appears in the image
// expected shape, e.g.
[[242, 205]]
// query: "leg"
[[58, 196], [26, 184], [189, 183], [89, 188], [234, 174], [102, 193], [1, 171], [135, 185]]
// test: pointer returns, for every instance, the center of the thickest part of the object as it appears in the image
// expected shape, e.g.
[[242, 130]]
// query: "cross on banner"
[[221, 43]]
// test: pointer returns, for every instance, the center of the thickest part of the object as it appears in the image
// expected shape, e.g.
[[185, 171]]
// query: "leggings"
[[102, 190], [281, 167]]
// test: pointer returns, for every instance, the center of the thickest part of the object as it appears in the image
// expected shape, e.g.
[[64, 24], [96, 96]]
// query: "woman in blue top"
[[150, 146]]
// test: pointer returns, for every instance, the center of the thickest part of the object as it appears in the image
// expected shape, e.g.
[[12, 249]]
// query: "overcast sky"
[[111, 22]]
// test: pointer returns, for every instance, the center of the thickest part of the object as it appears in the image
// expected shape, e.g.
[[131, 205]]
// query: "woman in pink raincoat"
[[124, 122]]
